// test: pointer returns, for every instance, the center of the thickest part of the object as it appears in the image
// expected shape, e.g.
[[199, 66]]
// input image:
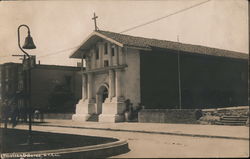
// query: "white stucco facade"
[[112, 73]]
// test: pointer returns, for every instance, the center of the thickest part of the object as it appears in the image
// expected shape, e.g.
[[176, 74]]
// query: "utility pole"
[[29, 44], [179, 74]]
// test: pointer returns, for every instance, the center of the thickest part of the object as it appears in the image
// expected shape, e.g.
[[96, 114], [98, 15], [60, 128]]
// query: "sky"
[[58, 28]]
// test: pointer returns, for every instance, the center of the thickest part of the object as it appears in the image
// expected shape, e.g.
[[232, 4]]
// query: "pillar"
[[118, 83], [110, 55], [87, 63], [93, 55], [116, 56], [90, 86], [84, 87], [101, 50], [121, 55], [111, 84], [86, 107]]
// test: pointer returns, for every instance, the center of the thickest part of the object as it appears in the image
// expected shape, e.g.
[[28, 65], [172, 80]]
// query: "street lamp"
[[29, 44]]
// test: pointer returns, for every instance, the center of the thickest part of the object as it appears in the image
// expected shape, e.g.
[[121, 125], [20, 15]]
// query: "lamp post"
[[29, 44]]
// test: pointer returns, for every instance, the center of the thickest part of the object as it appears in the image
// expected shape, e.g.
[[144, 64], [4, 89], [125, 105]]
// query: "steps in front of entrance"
[[94, 118], [232, 120]]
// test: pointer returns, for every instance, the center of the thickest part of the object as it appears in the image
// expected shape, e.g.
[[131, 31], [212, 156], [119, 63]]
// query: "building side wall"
[[206, 81], [132, 76], [159, 80], [213, 81]]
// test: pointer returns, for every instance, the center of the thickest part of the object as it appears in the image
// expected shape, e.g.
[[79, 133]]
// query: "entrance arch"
[[101, 96]]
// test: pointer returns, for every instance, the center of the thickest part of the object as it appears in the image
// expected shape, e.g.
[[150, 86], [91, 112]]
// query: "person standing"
[[5, 112], [37, 114], [14, 114]]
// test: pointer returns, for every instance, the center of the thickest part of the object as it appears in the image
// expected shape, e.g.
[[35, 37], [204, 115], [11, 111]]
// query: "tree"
[[61, 99]]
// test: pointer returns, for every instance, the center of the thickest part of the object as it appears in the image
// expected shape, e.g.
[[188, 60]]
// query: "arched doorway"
[[102, 95]]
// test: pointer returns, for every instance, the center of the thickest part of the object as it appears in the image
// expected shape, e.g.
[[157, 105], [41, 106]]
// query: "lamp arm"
[[18, 35]]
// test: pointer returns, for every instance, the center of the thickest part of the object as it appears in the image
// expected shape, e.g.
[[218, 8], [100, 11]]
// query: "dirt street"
[[163, 146]]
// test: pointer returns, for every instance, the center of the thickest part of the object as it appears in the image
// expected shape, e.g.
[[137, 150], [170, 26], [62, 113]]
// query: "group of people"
[[131, 112], [9, 110], [11, 113]]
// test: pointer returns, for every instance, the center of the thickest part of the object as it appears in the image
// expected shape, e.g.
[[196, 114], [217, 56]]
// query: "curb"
[[151, 132], [93, 151]]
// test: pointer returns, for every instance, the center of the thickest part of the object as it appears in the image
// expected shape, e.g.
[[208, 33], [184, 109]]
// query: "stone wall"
[[233, 111], [211, 116], [184, 116]]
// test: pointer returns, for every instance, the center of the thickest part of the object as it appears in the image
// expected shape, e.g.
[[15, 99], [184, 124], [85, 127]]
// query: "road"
[[144, 145]]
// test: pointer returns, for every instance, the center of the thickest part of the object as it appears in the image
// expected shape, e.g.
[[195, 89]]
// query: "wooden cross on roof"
[[94, 18]]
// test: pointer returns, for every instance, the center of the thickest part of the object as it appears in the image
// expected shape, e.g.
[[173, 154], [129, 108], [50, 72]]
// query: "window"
[[97, 53], [106, 48], [106, 63], [113, 51]]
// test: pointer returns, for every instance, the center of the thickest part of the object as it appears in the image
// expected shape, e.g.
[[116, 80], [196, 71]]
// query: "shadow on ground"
[[14, 140]]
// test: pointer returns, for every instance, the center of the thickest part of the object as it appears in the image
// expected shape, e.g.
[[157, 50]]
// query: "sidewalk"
[[194, 130]]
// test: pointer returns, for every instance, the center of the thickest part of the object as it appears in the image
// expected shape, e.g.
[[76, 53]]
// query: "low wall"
[[58, 116], [229, 111], [212, 116], [167, 116]]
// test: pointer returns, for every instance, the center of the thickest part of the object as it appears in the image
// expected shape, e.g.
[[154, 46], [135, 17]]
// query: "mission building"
[[157, 74]]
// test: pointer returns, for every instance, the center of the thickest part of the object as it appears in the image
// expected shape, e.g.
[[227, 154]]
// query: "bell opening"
[[29, 44]]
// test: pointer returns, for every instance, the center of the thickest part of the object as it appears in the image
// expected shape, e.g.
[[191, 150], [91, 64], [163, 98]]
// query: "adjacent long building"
[[54, 89]]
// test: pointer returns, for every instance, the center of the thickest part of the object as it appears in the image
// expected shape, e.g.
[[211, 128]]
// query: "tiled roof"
[[147, 43]]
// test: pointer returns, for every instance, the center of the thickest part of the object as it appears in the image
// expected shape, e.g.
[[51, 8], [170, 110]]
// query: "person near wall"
[[37, 114], [41, 116]]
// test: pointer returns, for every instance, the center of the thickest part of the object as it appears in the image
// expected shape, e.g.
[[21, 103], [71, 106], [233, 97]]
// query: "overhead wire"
[[166, 16], [129, 29], [149, 22], [58, 52]]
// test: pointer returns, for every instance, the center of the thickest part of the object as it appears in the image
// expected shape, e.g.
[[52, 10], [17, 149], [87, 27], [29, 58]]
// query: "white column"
[[101, 50], [118, 89], [84, 108], [110, 55], [111, 84], [121, 55], [84, 87], [93, 55], [116, 56], [90, 86], [87, 59]]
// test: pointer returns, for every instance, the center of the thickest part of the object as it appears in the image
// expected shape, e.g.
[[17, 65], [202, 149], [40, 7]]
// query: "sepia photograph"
[[124, 79]]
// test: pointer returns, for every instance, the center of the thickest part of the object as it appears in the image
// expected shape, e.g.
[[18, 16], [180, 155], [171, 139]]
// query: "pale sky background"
[[63, 25]]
